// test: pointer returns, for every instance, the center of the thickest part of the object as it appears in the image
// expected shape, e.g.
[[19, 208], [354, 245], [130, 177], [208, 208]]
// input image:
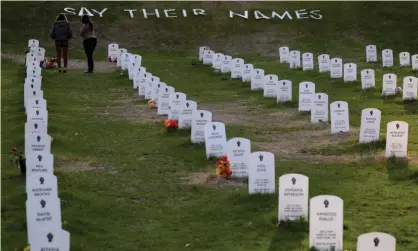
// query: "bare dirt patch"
[[211, 180], [67, 165], [129, 107], [77, 64], [246, 114]]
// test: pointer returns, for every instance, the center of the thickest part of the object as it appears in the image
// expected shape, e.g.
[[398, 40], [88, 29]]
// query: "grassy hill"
[[124, 183]]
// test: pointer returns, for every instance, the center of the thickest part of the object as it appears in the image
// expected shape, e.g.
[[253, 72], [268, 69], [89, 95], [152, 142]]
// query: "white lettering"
[[70, 10], [131, 12], [84, 9], [167, 14], [259, 15], [197, 12], [245, 15], [315, 15], [299, 14], [184, 13], [274, 14], [101, 12], [156, 13]]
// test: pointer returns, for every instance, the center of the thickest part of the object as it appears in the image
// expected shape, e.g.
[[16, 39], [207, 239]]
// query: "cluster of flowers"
[[112, 59], [223, 167]]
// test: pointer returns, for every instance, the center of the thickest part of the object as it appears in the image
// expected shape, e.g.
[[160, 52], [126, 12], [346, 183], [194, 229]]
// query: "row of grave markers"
[[43, 206], [326, 222], [317, 103]]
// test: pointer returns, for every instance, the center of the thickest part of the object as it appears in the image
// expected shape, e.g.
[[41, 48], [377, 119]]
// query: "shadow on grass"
[[398, 169], [356, 148], [289, 236], [411, 106]]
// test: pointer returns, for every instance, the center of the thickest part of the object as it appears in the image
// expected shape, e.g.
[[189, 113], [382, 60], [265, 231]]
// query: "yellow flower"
[[27, 248]]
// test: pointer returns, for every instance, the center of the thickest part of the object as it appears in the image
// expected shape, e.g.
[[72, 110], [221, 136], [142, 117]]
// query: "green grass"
[[137, 200]]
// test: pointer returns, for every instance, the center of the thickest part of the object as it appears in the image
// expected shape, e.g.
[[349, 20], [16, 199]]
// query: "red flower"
[[14, 149], [224, 158]]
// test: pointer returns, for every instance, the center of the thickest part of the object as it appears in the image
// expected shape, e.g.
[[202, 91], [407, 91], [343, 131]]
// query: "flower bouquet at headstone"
[[48, 63], [152, 104], [171, 125], [112, 59], [19, 160], [223, 167]]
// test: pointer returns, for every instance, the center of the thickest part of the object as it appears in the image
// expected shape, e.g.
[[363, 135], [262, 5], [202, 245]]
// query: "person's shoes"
[[64, 70], [59, 70], [88, 72]]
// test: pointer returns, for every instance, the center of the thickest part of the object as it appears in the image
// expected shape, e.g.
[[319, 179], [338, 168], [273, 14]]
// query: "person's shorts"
[[61, 43]]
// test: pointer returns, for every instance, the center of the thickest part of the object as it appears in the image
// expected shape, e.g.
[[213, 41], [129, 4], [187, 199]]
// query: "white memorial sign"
[[261, 173], [39, 143], [404, 59], [376, 241], [284, 91], [367, 79], [284, 54], [199, 120], [336, 68], [389, 84], [350, 72], [397, 139], [42, 185], [217, 61], [387, 58], [294, 61], [237, 67], [270, 82], [39, 163], [370, 125], [215, 139], [164, 100], [202, 50], [306, 92], [410, 88], [226, 64], [324, 63], [319, 111], [238, 151], [50, 240], [293, 197], [208, 57], [112, 51], [247, 73], [307, 61], [257, 77], [371, 53], [339, 117], [33, 127], [185, 118], [414, 60]]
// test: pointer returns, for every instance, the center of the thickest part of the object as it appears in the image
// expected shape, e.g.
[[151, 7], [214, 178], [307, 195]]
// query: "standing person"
[[90, 41], [61, 32]]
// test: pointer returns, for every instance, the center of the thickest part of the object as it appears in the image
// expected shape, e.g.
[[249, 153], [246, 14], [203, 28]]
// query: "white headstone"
[[31, 86], [150, 85], [185, 118], [37, 115], [177, 98], [390, 82], [414, 60], [34, 71], [37, 163], [257, 77], [120, 55], [217, 61], [387, 58], [174, 112], [137, 75], [284, 54], [294, 61], [324, 63], [319, 111], [284, 91], [270, 82], [199, 120], [144, 79], [38, 103], [215, 139], [226, 64], [42, 214], [370, 125], [376, 241], [404, 59], [307, 61], [306, 92], [350, 72], [37, 143], [134, 65], [371, 53], [33, 43], [238, 151], [410, 88], [293, 197], [126, 60], [237, 67], [50, 239], [40, 54], [336, 68], [397, 139], [41, 185], [164, 100], [339, 117], [367, 79], [112, 50], [34, 127], [246, 75], [326, 223], [156, 91], [31, 60], [261, 173], [202, 50], [207, 57], [34, 95]]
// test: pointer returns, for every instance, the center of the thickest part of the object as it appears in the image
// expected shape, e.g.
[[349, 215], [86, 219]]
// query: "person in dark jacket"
[[89, 40], [61, 32]]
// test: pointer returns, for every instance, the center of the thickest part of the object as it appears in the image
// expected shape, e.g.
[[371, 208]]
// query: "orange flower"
[[152, 104], [171, 124], [223, 168]]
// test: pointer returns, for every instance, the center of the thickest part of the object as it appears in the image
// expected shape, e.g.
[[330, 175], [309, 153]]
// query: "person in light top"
[[89, 40], [61, 32]]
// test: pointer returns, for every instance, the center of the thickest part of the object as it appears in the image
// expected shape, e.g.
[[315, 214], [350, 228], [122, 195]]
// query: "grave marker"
[[238, 151], [350, 72], [142, 85], [40, 54], [410, 88], [339, 117], [367, 79], [387, 58], [414, 60], [319, 111], [404, 59], [336, 68], [284, 91], [257, 77], [164, 100], [306, 91], [370, 125], [50, 240], [307, 61], [36, 95], [208, 57], [237, 67], [39, 163], [199, 120], [33, 43], [37, 103], [226, 64], [112, 51], [39, 143], [326, 223], [138, 76], [177, 98], [215, 139], [174, 112], [246, 76], [202, 50], [186, 117], [217, 61], [397, 139], [376, 241], [149, 86], [371, 53], [284, 54], [294, 61], [270, 82], [293, 197], [324, 63], [35, 128], [120, 55], [41, 185], [156, 91], [261, 173], [37, 115], [389, 84], [126, 59]]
